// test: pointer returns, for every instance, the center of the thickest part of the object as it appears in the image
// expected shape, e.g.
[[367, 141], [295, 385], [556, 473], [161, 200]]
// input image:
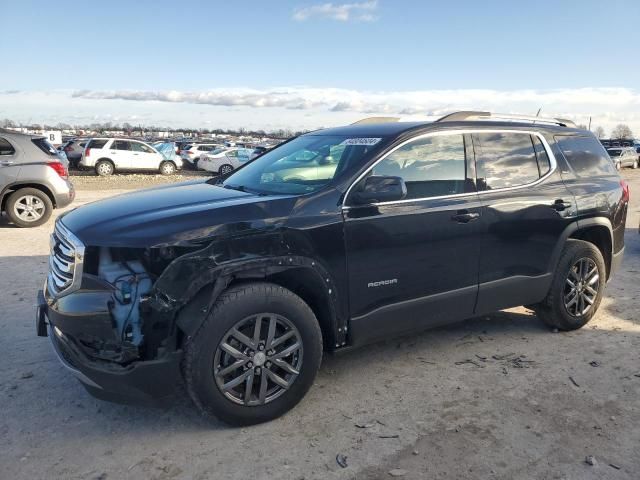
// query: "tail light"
[[189, 152], [87, 152], [59, 168], [625, 190]]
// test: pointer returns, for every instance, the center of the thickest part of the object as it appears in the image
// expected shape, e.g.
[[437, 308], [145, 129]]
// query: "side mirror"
[[380, 189]]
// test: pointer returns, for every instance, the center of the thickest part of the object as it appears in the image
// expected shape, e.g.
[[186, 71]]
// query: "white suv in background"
[[193, 152], [106, 155]]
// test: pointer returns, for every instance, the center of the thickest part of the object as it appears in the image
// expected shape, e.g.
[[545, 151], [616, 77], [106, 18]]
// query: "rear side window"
[[121, 145], [96, 143], [504, 160], [5, 147], [544, 164], [44, 145], [586, 156]]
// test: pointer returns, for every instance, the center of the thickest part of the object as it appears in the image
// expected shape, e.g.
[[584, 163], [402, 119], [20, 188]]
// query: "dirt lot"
[[495, 397]]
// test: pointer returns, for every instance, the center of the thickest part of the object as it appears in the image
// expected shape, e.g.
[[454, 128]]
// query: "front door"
[[413, 263], [144, 157]]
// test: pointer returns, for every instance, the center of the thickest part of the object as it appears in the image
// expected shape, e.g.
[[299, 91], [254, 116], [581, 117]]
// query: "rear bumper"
[[150, 382], [64, 195], [616, 261]]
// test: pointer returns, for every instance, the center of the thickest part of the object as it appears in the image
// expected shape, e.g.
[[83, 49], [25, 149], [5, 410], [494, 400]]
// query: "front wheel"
[[577, 287], [225, 169], [255, 356], [167, 168]]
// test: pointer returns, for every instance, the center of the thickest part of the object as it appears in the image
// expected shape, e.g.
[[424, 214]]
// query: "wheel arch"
[[9, 189], [302, 276], [596, 230]]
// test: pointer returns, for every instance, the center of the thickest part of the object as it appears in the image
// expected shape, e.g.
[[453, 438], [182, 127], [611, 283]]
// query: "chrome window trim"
[[552, 160], [79, 250]]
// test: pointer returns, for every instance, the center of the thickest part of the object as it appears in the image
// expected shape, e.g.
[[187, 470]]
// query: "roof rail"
[[471, 115]]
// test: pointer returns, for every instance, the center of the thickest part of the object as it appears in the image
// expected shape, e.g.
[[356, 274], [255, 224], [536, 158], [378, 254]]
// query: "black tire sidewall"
[[233, 306], [558, 315], [165, 164], [108, 162], [13, 198]]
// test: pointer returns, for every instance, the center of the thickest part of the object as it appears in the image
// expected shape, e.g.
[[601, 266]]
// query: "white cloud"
[[359, 12], [308, 107]]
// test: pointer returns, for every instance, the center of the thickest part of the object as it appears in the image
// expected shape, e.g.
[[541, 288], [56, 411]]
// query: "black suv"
[[235, 285]]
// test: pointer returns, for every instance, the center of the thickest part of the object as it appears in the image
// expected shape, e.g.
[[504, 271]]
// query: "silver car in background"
[[624, 157], [34, 178]]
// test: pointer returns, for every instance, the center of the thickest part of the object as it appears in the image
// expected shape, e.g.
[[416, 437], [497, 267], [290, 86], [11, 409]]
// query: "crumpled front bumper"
[[150, 382]]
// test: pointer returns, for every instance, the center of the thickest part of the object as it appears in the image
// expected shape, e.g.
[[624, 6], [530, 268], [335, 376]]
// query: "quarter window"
[[586, 155], [504, 160], [431, 167], [6, 148]]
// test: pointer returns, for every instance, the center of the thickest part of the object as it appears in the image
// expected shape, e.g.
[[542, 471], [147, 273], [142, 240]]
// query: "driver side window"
[[430, 167]]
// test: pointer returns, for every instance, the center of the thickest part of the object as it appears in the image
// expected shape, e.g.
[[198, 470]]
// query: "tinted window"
[[585, 155], [431, 167], [614, 153], [44, 145], [97, 143], [5, 147], [504, 160], [121, 145]]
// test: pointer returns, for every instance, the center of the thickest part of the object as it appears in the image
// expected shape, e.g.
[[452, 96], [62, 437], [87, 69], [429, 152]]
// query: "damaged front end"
[[119, 316]]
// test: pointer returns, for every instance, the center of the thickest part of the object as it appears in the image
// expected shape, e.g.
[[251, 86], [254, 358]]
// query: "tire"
[[555, 310], [195, 163], [167, 168], [635, 164], [105, 168], [225, 169], [618, 166], [28, 207], [203, 353]]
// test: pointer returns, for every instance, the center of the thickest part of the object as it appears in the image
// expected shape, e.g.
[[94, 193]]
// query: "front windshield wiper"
[[242, 188]]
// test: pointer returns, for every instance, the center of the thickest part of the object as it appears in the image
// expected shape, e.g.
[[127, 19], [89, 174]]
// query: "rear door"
[[413, 263], [120, 153], [525, 207]]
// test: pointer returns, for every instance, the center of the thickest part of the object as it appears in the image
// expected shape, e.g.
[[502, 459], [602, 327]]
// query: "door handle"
[[464, 216], [6, 163], [560, 205]]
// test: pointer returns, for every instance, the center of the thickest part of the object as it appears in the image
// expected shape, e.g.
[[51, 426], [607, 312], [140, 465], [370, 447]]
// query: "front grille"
[[65, 261]]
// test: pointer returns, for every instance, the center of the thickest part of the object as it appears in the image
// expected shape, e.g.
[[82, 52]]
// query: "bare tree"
[[621, 131], [599, 132]]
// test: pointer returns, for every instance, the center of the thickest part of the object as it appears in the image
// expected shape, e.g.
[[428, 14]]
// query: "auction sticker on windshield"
[[361, 141]]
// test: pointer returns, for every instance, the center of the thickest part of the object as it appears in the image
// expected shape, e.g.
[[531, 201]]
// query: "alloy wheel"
[[29, 208], [225, 169], [581, 287], [258, 359]]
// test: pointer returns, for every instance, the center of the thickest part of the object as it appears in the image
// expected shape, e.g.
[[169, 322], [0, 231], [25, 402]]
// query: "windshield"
[[614, 153], [302, 165]]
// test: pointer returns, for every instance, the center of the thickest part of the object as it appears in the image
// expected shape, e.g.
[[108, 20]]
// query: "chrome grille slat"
[[65, 261]]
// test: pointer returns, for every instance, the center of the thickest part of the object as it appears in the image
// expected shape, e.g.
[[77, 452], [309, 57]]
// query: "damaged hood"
[[178, 214]]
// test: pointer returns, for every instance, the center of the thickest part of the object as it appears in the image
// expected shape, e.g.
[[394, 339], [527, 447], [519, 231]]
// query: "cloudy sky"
[[307, 64]]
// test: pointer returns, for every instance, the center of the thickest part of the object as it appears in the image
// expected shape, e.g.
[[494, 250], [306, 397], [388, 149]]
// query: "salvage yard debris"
[[507, 360]]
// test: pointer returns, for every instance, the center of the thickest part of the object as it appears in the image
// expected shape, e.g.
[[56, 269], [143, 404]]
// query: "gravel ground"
[[495, 397], [89, 181]]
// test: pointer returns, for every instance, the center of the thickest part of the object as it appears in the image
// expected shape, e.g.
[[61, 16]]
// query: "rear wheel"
[[255, 356], [29, 207], [104, 168], [577, 287], [167, 168], [225, 169]]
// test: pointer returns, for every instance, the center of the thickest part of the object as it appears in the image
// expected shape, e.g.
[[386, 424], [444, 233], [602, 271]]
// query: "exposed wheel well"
[[37, 186], [309, 288], [600, 236]]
